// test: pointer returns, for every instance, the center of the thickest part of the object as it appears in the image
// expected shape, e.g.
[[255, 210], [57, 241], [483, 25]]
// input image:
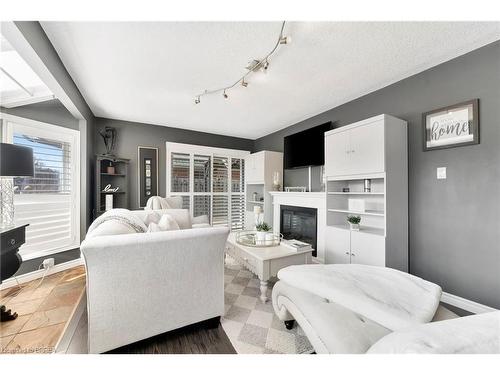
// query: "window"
[[48, 201], [210, 181], [19, 84]]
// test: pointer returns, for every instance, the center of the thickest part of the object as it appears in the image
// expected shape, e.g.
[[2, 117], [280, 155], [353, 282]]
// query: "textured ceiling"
[[151, 71]]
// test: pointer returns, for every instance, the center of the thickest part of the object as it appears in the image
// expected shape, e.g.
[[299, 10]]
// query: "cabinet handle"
[[347, 253], [352, 151], [352, 254]]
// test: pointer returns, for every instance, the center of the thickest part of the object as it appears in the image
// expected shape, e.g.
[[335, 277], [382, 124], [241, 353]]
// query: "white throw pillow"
[[154, 227], [167, 222], [116, 221], [202, 219], [152, 217]]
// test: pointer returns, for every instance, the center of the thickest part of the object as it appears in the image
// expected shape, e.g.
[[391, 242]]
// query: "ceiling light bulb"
[[243, 83], [285, 40], [197, 100], [225, 95]]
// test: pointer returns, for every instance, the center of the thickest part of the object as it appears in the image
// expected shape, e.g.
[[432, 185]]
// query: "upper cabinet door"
[[255, 168], [366, 149], [336, 147]]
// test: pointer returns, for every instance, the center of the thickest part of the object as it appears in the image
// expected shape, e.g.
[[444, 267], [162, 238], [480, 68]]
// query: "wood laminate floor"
[[195, 339]]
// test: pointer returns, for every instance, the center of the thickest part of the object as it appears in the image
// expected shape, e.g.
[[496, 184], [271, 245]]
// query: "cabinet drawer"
[[12, 239]]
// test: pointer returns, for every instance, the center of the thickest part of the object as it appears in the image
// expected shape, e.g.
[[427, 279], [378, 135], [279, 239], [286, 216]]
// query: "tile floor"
[[43, 311], [251, 325]]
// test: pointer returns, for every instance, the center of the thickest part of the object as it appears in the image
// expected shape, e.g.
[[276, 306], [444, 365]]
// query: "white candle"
[[257, 209]]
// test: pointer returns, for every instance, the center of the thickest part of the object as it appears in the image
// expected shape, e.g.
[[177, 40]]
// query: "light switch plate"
[[441, 173]]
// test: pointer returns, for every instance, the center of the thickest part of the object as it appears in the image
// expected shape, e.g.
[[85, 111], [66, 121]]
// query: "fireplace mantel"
[[303, 199]]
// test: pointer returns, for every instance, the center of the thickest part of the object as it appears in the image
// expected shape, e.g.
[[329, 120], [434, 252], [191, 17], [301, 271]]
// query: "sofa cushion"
[[160, 203], [116, 221]]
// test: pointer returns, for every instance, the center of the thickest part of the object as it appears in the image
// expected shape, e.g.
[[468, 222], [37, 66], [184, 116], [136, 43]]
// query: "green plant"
[[354, 219], [263, 227]]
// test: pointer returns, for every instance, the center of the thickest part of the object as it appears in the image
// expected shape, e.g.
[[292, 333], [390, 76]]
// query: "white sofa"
[[143, 284]]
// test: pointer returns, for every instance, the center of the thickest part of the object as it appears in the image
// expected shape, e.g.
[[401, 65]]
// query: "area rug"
[[252, 326]]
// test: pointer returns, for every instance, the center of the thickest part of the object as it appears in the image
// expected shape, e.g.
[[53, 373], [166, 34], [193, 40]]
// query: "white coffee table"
[[265, 262]]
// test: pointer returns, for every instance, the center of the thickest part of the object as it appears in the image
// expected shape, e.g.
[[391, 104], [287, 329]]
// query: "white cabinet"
[[254, 168], [367, 249], [355, 150], [369, 154], [337, 245], [344, 246]]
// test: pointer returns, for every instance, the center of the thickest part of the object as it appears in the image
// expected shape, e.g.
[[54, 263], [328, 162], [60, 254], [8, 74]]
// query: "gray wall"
[[454, 223], [130, 135], [51, 112]]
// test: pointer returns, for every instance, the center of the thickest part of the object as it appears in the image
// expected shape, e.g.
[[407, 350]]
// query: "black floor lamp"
[[15, 161]]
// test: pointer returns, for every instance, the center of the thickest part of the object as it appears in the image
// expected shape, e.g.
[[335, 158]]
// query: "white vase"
[[261, 238], [354, 226], [269, 238]]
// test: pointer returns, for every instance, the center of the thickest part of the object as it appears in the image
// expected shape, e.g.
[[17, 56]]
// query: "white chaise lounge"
[[365, 309]]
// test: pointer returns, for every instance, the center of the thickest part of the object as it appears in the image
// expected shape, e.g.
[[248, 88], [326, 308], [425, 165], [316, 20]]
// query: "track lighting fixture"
[[253, 66]]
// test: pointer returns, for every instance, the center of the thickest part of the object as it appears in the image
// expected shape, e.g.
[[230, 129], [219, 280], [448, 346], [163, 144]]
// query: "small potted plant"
[[262, 229], [354, 222]]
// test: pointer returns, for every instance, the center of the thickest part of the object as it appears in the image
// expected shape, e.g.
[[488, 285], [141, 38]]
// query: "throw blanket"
[[121, 216], [468, 335], [393, 299]]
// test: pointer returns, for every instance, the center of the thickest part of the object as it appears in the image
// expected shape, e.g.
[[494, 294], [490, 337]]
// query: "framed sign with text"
[[148, 173], [453, 126]]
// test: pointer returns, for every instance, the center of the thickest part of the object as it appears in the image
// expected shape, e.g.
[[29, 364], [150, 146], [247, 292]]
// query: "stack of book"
[[296, 245]]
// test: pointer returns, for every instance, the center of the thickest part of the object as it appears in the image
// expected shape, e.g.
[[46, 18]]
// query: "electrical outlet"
[[48, 263], [441, 173]]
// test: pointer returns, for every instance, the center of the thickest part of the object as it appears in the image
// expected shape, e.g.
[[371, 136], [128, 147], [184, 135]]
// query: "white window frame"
[[43, 129], [192, 150]]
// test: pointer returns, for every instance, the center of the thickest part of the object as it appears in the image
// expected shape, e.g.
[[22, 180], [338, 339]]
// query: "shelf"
[[363, 229], [256, 202], [369, 212], [353, 193], [113, 174], [111, 192]]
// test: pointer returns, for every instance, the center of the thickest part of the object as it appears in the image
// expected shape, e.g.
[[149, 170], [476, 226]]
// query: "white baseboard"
[[465, 304], [9, 283]]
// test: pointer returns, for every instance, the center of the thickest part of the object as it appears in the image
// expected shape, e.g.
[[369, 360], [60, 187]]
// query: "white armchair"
[[143, 284]]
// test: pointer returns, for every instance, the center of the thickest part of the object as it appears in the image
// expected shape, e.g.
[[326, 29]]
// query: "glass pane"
[[180, 173], [237, 212], [220, 174], [201, 174], [52, 173], [237, 170], [201, 205], [220, 210]]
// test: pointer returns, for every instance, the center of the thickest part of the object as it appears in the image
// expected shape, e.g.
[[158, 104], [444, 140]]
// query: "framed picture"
[[453, 126], [147, 164]]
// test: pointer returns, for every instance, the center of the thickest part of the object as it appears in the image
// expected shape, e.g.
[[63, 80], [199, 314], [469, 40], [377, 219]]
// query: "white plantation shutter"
[[48, 201], [237, 194], [211, 182]]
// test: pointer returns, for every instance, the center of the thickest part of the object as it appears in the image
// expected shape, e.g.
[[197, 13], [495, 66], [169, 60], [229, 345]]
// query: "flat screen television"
[[306, 148]]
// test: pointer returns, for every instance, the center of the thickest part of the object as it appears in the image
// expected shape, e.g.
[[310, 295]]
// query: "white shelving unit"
[[374, 149], [259, 169]]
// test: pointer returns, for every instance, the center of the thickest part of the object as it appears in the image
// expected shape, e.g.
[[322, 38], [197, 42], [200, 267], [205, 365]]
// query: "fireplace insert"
[[299, 223]]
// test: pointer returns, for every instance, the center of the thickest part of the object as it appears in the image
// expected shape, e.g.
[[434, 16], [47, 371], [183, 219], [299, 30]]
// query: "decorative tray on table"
[[258, 239]]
